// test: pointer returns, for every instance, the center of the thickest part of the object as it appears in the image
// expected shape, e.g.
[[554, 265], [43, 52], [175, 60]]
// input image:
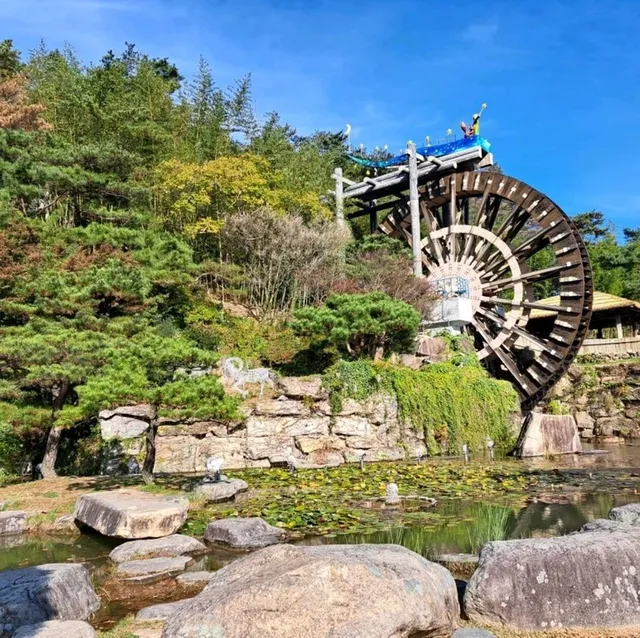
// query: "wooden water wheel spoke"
[[482, 228], [533, 275]]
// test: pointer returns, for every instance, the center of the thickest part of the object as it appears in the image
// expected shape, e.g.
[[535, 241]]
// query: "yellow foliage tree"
[[195, 199]]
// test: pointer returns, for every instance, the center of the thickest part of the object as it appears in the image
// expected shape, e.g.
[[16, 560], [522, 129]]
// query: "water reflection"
[[466, 527], [22, 551]]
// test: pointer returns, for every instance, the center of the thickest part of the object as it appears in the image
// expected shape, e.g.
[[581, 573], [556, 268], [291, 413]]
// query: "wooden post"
[[339, 197], [619, 326], [373, 217], [414, 207]]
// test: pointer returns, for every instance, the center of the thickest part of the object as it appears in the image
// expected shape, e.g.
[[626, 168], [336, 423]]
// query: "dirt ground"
[[46, 500]]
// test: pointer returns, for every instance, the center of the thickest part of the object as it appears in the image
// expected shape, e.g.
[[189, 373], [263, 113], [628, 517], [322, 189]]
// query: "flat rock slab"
[[131, 513], [221, 491], [54, 591], [628, 514], [190, 579], [145, 571], [13, 522], [167, 547], [160, 613], [350, 591], [57, 629], [243, 533], [589, 579], [472, 633]]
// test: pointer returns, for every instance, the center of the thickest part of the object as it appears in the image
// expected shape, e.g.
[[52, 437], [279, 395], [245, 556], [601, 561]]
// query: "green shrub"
[[199, 397], [360, 325], [12, 453], [451, 404]]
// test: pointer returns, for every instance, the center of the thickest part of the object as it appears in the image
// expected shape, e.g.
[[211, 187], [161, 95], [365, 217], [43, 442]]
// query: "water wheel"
[[512, 247]]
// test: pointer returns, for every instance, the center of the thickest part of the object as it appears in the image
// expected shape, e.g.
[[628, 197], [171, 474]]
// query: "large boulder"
[[548, 434], [33, 595], [13, 522], [589, 579], [350, 591], [243, 533], [167, 547], [131, 513], [57, 629]]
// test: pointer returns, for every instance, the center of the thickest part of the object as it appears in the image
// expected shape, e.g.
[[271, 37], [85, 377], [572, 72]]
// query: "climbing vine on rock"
[[451, 404]]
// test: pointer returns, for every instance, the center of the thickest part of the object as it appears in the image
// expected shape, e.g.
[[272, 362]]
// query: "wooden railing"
[[611, 346]]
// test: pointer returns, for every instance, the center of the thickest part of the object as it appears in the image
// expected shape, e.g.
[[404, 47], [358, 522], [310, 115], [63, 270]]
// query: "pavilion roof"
[[601, 301]]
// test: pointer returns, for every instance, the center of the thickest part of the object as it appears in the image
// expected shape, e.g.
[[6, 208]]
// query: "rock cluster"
[[123, 431], [298, 424], [604, 399]]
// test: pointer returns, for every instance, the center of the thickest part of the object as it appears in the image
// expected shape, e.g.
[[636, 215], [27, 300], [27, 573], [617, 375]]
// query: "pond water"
[[571, 491]]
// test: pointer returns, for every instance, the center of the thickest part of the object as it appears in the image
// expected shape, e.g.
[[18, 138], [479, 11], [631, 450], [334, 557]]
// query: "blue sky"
[[560, 77]]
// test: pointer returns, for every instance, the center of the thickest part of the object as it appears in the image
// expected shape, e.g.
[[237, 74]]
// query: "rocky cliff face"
[[605, 399], [297, 423]]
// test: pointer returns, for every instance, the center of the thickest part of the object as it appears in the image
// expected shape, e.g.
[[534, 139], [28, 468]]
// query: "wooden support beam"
[[368, 207], [371, 188], [414, 207], [487, 160], [339, 197], [373, 217], [619, 326]]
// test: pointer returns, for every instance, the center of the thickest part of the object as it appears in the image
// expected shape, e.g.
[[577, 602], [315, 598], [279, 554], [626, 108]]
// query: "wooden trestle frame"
[[480, 221]]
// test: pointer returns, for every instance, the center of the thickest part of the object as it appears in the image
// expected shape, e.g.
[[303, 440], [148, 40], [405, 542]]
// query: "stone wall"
[[605, 399], [296, 422]]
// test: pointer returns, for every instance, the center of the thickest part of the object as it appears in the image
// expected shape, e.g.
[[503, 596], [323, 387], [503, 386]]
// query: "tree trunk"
[[150, 445], [48, 465]]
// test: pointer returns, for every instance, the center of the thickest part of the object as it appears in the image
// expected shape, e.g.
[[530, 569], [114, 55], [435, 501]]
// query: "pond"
[[569, 492]]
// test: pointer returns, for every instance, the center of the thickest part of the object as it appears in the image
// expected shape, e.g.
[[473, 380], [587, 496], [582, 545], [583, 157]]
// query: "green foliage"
[[12, 452], [9, 60], [360, 325], [557, 407], [350, 379], [200, 398], [455, 405], [451, 404], [255, 342]]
